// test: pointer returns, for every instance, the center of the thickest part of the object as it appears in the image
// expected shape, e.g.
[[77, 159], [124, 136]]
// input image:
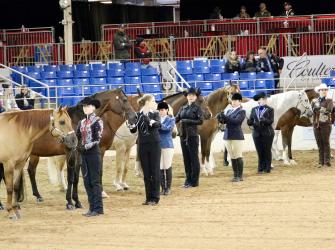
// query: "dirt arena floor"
[[292, 208]]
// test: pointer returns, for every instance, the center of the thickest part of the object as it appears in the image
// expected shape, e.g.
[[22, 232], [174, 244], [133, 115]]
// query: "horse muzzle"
[[70, 140]]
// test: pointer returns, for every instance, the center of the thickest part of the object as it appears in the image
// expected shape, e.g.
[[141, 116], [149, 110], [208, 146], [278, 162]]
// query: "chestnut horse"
[[114, 109], [22, 130]]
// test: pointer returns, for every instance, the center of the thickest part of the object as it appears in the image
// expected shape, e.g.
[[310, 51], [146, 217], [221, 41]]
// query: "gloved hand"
[[221, 117], [81, 148]]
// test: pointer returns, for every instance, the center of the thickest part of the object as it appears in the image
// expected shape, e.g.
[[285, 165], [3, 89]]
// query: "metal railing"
[[27, 35]]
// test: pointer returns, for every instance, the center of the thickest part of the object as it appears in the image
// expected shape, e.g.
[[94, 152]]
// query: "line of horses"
[[116, 111]]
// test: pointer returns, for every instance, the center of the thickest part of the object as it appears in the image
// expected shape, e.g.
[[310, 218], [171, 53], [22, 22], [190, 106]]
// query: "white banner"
[[306, 71]]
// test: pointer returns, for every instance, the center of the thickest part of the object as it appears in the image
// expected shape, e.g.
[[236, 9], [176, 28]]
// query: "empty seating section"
[[330, 81], [71, 82], [210, 75]]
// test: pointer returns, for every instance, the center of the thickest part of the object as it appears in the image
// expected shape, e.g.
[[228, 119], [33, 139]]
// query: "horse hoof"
[[125, 186], [39, 199], [12, 217], [69, 207], [79, 205], [104, 195], [293, 162], [2, 207], [18, 215]]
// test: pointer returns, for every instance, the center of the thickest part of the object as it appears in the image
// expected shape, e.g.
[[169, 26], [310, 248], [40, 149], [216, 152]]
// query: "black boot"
[[240, 168], [163, 182], [235, 169], [168, 181], [225, 158]]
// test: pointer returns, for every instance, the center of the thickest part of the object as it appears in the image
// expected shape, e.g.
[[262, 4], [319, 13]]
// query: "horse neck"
[[113, 121], [34, 132], [283, 102], [219, 103], [76, 114], [176, 102]]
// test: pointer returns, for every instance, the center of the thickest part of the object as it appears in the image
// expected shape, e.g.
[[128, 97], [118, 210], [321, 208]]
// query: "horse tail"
[[55, 165], [21, 191]]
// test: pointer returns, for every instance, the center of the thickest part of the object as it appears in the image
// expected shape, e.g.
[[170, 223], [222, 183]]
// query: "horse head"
[[61, 127], [303, 104]]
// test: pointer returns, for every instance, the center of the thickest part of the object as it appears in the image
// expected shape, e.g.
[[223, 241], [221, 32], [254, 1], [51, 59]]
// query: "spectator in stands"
[[270, 63], [233, 64], [250, 64], [263, 12], [216, 14], [142, 51], [288, 10], [121, 44], [243, 13], [24, 100]]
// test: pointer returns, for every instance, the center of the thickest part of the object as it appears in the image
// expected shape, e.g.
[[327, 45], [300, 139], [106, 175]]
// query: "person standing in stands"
[[263, 12], [24, 100], [189, 117], [270, 63], [243, 13], [250, 64], [233, 64], [89, 133], [216, 14], [148, 126], [261, 119], [233, 134], [121, 44], [322, 123], [165, 132], [142, 52], [288, 10]]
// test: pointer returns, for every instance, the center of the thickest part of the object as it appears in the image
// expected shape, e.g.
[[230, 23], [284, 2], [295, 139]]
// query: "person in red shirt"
[[142, 51]]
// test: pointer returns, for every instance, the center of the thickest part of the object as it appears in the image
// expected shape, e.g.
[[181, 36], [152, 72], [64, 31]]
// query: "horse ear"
[[139, 92], [65, 108], [60, 108]]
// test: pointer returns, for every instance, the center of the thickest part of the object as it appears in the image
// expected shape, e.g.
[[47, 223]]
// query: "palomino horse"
[[22, 130], [114, 109]]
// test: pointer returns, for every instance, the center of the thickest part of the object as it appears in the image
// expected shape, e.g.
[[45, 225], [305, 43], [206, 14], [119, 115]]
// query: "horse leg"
[[32, 165], [289, 144], [17, 183], [9, 174], [70, 181], [138, 167], [274, 149], [125, 169], [75, 196], [208, 164], [1, 177], [285, 135], [119, 160], [103, 194], [203, 156]]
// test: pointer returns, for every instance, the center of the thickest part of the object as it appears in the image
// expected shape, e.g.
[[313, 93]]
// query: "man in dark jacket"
[[24, 100], [288, 10], [121, 44], [263, 12]]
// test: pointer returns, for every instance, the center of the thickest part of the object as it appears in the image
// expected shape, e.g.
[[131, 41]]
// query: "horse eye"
[[62, 122]]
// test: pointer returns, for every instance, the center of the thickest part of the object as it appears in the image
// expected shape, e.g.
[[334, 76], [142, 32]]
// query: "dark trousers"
[[91, 168], [150, 156], [190, 152], [263, 144], [322, 134]]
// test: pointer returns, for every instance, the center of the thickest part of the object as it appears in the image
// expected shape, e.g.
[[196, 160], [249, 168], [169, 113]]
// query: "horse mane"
[[171, 96], [36, 118], [214, 99]]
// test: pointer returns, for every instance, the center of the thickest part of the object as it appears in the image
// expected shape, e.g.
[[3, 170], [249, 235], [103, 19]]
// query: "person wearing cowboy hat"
[[233, 134], [322, 123], [89, 133], [165, 132], [190, 116], [261, 119]]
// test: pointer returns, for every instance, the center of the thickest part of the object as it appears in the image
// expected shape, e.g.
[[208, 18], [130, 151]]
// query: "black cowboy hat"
[[259, 96], [194, 91], [162, 105], [90, 101], [236, 96]]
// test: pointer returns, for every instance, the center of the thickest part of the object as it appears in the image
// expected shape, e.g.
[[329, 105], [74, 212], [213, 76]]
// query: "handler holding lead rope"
[[322, 123], [89, 134]]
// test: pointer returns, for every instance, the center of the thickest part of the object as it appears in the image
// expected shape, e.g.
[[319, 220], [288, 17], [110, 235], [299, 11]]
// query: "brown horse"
[[22, 130], [114, 110]]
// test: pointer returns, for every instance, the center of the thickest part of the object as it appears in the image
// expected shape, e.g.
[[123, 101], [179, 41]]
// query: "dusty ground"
[[292, 208]]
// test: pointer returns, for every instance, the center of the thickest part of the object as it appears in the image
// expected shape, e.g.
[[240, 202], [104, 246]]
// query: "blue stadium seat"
[[66, 67], [66, 91], [65, 74], [95, 89], [217, 62], [151, 88], [326, 80], [115, 72], [132, 83], [184, 67], [158, 96], [133, 65], [98, 73], [260, 84], [50, 68], [50, 82], [332, 73], [21, 69], [230, 76], [99, 66], [76, 100], [81, 73], [81, 81], [215, 80], [265, 75], [132, 70], [201, 66], [150, 79], [114, 66], [149, 71], [332, 82], [194, 79], [36, 68], [83, 67], [217, 66], [205, 85], [82, 90], [98, 81], [48, 75], [248, 76], [64, 82], [206, 92], [115, 82], [35, 75], [244, 84], [65, 101], [249, 93]]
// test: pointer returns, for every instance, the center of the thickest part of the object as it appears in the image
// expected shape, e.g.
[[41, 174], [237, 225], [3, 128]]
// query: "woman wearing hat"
[[149, 148], [322, 123], [233, 134], [89, 134], [261, 119], [165, 132], [190, 116]]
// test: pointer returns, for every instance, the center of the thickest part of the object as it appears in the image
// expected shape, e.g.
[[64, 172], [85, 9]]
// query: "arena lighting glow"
[[64, 3], [106, 2]]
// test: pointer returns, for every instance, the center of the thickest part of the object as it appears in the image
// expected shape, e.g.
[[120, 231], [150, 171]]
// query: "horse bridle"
[[56, 132], [303, 104]]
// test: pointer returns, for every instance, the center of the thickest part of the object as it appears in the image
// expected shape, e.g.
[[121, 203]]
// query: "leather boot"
[[225, 158], [235, 169], [168, 181], [163, 182], [240, 168]]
